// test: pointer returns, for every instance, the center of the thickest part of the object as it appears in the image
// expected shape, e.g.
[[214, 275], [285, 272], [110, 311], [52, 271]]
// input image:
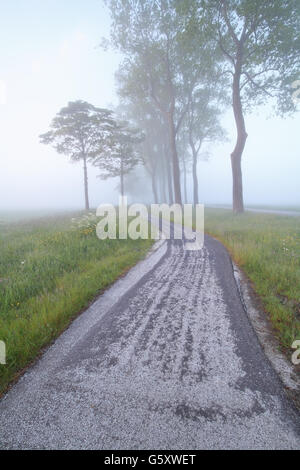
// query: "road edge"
[[285, 369], [50, 354]]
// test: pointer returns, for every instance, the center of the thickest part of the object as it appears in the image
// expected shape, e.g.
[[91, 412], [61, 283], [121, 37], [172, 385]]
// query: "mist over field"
[[124, 326], [50, 55]]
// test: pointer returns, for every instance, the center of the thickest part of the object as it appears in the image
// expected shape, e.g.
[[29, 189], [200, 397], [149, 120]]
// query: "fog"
[[49, 56]]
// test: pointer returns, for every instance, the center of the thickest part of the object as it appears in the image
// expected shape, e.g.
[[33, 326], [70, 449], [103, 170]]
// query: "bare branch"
[[227, 21], [199, 146], [229, 57], [256, 85], [185, 110], [154, 97]]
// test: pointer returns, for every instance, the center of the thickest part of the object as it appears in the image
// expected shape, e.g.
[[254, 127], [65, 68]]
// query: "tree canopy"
[[260, 43], [80, 131], [122, 154]]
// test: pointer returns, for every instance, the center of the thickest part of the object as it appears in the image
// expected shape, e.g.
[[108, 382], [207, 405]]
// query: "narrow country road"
[[171, 362]]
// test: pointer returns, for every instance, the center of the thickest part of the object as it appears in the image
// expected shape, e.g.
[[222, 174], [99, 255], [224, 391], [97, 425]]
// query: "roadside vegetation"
[[263, 207], [267, 248], [50, 269], [289, 208]]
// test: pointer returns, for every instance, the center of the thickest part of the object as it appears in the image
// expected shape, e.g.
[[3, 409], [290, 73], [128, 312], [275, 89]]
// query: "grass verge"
[[267, 248], [50, 269]]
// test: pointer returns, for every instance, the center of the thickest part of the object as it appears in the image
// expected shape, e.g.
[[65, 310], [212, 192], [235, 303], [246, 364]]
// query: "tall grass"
[[50, 269], [267, 248]]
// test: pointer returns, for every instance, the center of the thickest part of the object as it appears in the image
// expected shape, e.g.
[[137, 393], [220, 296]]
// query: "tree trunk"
[[122, 183], [175, 162], [168, 164], [236, 156], [237, 187], [154, 188], [170, 183], [195, 179], [172, 130], [184, 182], [163, 175], [122, 177], [162, 186], [86, 188], [195, 161]]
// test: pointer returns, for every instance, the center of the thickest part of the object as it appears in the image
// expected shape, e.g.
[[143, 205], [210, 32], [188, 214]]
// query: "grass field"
[[13, 216], [290, 208], [261, 207], [267, 248], [50, 269]]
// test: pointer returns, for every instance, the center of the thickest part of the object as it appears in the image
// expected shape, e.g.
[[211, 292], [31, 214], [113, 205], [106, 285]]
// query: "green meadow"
[[267, 248]]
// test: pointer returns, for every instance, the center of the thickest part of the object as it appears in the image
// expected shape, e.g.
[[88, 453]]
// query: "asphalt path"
[[165, 359]]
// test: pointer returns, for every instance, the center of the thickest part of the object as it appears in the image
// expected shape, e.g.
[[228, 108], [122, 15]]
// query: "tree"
[[122, 154], [153, 151], [139, 107], [202, 124], [144, 116], [201, 112], [260, 42], [147, 33], [80, 131]]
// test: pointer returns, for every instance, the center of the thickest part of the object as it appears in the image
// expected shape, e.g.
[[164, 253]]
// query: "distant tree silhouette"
[[81, 131], [121, 154]]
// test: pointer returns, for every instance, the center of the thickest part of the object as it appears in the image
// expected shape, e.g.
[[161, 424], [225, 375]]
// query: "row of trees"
[[90, 134], [167, 88], [184, 62]]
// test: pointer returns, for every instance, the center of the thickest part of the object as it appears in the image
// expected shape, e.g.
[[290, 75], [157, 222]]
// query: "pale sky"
[[49, 56]]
